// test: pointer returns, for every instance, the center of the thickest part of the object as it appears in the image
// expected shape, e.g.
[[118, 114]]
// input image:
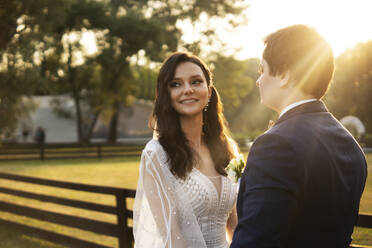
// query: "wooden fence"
[[67, 151], [74, 150], [364, 220], [121, 230]]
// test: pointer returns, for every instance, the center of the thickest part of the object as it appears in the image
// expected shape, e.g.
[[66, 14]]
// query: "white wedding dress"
[[175, 213]]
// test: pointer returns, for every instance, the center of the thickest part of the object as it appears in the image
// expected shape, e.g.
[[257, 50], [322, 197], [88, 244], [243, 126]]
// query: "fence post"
[[121, 207], [99, 151], [42, 151]]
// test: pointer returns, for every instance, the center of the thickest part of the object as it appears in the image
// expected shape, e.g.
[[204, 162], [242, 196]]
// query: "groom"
[[304, 177]]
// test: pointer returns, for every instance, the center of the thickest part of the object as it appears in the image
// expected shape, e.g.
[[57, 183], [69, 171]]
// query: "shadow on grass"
[[11, 238]]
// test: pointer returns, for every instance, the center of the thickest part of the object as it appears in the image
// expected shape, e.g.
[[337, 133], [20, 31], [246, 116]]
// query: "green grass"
[[108, 172], [363, 235], [366, 203]]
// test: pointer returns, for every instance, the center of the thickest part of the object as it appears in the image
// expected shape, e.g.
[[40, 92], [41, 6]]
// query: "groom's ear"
[[285, 80]]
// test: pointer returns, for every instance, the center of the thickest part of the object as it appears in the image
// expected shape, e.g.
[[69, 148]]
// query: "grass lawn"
[[364, 235], [108, 172]]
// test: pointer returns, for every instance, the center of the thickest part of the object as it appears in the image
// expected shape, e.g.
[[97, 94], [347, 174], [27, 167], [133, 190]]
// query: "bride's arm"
[[232, 221], [159, 195]]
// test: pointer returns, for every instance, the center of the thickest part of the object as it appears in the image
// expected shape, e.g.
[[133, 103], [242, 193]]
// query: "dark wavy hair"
[[165, 121], [303, 52]]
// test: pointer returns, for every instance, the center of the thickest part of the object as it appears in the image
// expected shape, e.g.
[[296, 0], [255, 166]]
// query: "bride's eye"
[[174, 84], [197, 81]]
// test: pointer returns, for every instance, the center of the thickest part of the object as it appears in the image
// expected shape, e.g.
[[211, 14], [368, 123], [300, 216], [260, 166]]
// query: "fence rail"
[[364, 220], [120, 230], [67, 151]]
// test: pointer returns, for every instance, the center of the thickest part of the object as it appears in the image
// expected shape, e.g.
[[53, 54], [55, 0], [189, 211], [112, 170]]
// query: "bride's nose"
[[188, 89]]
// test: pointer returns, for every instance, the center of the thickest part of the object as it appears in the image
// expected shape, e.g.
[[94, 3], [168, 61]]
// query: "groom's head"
[[298, 58]]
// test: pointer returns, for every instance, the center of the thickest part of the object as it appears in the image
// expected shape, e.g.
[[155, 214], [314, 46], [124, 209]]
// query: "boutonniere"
[[235, 168]]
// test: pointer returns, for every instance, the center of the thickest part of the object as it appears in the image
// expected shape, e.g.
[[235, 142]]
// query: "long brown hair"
[[165, 120]]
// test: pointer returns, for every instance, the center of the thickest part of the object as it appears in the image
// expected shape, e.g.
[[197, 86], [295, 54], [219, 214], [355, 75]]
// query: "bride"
[[184, 198]]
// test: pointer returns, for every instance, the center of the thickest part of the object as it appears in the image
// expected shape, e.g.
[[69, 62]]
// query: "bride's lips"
[[191, 100]]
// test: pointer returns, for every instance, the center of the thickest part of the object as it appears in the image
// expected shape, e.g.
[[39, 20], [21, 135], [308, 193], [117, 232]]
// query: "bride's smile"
[[189, 101]]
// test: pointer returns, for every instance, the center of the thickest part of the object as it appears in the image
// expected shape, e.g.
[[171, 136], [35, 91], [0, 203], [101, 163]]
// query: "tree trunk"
[[78, 118], [75, 95], [113, 128], [88, 134]]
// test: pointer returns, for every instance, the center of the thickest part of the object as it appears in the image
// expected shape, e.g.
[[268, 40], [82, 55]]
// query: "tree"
[[232, 83], [17, 79], [145, 81], [149, 26], [352, 86], [236, 83], [126, 36], [19, 17], [22, 24], [123, 29]]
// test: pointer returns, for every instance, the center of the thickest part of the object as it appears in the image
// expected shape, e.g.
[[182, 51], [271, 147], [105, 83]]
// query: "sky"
[[343, 23]]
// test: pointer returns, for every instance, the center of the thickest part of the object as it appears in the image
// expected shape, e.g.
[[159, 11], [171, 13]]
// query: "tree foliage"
[[249, 118], [145, 81], [350, 93], [232, 82], [52, 62], [23, 24]]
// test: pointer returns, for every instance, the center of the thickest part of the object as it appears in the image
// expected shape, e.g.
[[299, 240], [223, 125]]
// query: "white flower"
[[235, 168], [231, 175], [240, 157]]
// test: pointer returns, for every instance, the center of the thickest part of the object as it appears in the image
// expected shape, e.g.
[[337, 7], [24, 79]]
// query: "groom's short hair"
[[305, 54]]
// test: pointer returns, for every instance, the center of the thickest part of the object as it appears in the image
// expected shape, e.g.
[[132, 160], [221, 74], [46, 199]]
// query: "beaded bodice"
[[172, 212], [212, 200]]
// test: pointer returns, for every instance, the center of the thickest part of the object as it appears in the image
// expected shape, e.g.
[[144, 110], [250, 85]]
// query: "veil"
[[162, 216]]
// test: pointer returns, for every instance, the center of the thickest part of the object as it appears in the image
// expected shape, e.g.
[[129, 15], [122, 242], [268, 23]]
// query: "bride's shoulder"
[[154, 148]]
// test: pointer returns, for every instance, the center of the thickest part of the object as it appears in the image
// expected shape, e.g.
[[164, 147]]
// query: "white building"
[[132, 122]]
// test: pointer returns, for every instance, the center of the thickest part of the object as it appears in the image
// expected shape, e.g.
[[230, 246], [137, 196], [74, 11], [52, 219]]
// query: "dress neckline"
[[209, 181], [206, 175], [212, 177]]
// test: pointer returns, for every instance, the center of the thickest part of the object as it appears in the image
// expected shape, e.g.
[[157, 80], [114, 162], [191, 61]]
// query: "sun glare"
[[343, 23]]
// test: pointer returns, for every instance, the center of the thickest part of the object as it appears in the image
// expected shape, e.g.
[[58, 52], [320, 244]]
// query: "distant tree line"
[[42, 54], [351, 91]]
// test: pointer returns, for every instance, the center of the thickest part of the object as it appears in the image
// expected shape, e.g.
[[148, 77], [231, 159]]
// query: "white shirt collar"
[[295, 104]]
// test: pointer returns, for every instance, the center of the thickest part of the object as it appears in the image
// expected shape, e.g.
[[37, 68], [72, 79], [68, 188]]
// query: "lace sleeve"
[[156, 216]]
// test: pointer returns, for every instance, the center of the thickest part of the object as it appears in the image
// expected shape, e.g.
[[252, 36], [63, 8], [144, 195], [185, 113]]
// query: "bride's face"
[[188, 90]]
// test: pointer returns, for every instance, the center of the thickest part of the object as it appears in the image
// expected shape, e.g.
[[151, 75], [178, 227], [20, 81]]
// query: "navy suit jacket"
[[302, 184]]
